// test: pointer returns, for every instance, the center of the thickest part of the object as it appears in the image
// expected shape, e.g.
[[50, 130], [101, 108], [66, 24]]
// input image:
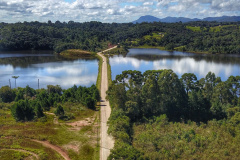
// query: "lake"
[[180, 62], [56, 70], [46, 67]]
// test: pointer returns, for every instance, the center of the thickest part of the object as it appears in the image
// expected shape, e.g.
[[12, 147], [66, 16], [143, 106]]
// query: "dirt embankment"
[[107, 141]]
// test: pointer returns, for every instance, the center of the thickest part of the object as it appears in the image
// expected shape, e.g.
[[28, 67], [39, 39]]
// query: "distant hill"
[[147, 18], [223, 19], [151, 19], [178, 19]]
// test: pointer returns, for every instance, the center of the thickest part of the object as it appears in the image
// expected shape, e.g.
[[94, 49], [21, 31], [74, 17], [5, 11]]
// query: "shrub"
[[22, 111]]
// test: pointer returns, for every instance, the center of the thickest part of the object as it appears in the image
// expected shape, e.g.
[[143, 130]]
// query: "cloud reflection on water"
[[65, 74], [179, 65]]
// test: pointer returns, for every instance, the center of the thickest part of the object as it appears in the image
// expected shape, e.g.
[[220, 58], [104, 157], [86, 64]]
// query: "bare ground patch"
[[78, 125], [55, 148]]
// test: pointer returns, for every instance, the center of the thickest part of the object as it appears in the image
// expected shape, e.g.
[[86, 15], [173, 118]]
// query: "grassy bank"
[[147, 46], [109, 72], [76, 53], [98, 84], [180, 49]]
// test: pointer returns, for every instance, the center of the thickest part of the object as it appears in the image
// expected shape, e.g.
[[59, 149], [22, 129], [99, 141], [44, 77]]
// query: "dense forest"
[[208, 37], [29, 104], [156, 115]]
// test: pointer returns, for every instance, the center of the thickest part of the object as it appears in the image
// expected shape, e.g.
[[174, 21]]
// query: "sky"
[[109, 11]]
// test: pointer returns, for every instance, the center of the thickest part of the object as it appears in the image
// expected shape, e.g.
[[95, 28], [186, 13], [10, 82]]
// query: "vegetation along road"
[[107, 141]]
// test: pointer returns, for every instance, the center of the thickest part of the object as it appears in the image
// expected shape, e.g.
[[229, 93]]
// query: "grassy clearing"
[[76, 53], [156, 35], [194, 29], [219, 28], [147, 46], [18, 135]]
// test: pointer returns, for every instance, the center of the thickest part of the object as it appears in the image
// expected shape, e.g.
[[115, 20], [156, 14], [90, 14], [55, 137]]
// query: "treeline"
[[153, 99], [29, 104], [94, 36]]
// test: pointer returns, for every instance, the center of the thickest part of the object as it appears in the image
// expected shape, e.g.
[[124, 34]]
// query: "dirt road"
[[106, 142], [55, 148]]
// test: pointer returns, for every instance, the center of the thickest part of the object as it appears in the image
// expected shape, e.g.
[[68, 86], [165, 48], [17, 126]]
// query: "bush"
[[22, 111], [59, 111], [7, 94]]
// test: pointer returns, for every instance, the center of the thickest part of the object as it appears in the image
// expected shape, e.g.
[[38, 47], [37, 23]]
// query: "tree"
[[189, 81], [234, 87], [117, 94], [29, 91], [222, 93], [90, 103], [209, 85], [59, 111], [150, 97], [54, 89], [132, 110], [15, 77], [22, 111], [198, 107], [173, 98], [19, 94], [7, 94], [38, 110]]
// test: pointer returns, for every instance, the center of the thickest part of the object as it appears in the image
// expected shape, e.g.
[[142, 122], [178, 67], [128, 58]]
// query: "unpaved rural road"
[[106, 142], [55, 148]]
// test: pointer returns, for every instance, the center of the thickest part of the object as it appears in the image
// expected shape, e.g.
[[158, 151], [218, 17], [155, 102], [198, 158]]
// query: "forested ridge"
[[207, 37], [156, 115]]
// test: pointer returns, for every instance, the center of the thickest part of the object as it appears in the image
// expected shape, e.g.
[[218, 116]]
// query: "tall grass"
[[99, 77]]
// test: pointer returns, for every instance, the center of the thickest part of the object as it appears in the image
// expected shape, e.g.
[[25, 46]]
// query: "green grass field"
[[194, 29], [157, 35]]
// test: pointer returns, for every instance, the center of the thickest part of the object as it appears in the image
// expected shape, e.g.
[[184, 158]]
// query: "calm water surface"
[[179, 62], [46, 67]]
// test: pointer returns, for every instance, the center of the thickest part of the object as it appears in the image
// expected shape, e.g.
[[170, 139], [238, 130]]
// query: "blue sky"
[[112, 10]]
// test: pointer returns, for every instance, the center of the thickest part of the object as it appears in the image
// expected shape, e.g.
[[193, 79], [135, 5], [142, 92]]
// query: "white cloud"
[[148, 3], [112, 10]]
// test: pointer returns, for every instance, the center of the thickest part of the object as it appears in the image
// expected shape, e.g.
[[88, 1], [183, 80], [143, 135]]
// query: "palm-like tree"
[[15, 77]]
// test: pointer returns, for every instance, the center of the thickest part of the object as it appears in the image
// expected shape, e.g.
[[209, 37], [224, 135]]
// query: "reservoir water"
[[48, 68], [55, 70], [180, 62]]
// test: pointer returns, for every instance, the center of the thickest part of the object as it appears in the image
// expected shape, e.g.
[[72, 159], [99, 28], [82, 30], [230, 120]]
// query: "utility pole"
[[38, 83], [9, 83]]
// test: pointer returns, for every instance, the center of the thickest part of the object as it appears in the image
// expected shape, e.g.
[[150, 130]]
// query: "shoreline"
[[200, 53]]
